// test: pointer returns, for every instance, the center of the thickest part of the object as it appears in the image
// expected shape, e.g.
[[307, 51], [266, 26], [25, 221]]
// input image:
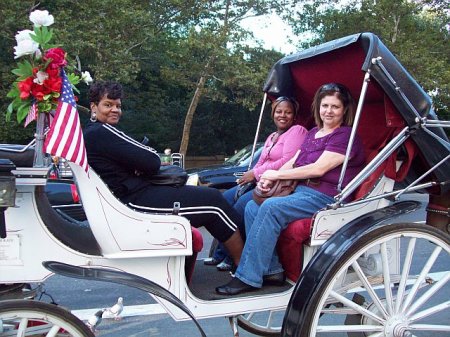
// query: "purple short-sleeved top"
[[337, 141]]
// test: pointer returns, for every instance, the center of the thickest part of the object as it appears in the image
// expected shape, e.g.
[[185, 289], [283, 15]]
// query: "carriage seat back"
[[123, 232]]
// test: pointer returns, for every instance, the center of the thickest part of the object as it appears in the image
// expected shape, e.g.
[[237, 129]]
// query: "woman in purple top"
[[317, 166], [279, 147]]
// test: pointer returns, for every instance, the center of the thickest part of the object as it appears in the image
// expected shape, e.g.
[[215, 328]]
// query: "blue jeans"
[[263, 227], [221, 253], [240, 204]]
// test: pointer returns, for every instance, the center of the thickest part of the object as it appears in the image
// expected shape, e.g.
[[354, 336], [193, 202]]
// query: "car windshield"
[[243, 156]]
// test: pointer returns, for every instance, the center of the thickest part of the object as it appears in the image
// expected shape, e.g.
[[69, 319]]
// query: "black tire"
[[27, 311], [321, 301]]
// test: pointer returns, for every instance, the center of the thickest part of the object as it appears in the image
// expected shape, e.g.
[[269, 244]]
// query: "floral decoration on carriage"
[[39, 70], [43, 91]]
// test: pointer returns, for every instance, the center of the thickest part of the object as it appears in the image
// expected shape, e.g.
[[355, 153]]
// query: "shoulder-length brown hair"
[[343, 94]]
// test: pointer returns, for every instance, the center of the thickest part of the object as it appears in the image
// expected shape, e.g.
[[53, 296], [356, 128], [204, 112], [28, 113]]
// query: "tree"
[[159, 50], [417, 32], [212, 42]]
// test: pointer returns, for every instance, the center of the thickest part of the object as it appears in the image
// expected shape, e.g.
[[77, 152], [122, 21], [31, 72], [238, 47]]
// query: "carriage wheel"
[[266, 323], [33, 318], [392, 281]]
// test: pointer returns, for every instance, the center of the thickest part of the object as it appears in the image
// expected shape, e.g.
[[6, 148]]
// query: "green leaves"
[[24, 69], [43, 35]]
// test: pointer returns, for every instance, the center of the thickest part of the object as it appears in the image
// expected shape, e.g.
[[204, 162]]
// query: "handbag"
[[280, 188], [169, 175], [242, 189]]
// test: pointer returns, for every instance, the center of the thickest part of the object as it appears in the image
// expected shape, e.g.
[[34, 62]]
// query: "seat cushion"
[[290, 247], [197, 240]]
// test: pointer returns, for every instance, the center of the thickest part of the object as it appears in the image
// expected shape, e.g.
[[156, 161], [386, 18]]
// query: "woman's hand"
[[270, 175], [265, 184], [247, 177]]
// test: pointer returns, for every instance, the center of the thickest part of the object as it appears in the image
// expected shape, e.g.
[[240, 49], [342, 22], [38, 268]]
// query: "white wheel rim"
[[390, 315], [21, 318]]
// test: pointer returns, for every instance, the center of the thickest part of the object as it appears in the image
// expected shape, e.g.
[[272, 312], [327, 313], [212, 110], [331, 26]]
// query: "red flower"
[[25, 87], [38, 91], [57, 57], [52, 84]]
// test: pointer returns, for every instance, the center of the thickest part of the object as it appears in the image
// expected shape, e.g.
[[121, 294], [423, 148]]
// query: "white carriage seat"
[[122, 232]]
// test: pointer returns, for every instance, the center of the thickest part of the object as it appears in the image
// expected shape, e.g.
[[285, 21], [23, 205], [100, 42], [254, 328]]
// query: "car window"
[[243, 156]]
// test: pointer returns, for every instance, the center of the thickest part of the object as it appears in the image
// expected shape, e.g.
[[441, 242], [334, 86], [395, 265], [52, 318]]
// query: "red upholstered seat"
[[290, 247], [197, 240], [197, 246]]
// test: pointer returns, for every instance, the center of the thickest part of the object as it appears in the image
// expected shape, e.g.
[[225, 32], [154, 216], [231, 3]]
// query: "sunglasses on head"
[[333, 87], [285, 98]]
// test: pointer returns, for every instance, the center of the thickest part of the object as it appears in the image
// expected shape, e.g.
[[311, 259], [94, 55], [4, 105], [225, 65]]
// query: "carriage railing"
[[372, 166], [389, 148], [358, 113], [258, 127]]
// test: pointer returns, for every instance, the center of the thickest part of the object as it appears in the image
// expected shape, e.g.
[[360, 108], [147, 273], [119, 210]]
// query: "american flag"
[[32, 114], [65, 138]]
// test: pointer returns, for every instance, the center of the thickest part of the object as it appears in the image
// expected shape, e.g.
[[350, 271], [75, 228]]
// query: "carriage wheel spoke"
[[429, 327], [405, 273], [431, 311], [22, 327], [350, 328], [373, 295], [269, 319], [53, 331], [387, 278], [421, 278], [356, 307], [428, 294]]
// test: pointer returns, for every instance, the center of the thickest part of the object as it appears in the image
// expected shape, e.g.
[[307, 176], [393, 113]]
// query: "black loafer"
[[277, 279], [234, 287], [210, 261]]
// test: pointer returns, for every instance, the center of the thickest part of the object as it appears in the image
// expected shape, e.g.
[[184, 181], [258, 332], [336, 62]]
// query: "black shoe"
[[277, 279], [211, 261], [234, 287]]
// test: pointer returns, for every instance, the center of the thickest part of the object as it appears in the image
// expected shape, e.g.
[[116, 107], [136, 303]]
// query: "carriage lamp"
[[7, 191]]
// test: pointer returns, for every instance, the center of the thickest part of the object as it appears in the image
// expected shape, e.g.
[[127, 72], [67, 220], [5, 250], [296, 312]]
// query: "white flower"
[[41, 18], [25, 47], [41, 76], [86, 77], [24, 35]]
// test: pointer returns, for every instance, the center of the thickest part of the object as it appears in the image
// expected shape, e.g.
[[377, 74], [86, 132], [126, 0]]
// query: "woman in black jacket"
[[125, 164]]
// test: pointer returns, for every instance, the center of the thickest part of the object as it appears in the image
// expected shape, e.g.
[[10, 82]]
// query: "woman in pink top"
[[279, 147]]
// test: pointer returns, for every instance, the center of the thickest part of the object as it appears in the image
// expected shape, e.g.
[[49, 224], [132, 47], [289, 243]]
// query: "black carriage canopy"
[[392, 102]]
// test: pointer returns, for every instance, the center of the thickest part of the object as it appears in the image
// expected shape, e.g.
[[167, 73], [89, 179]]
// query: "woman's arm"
[[129, 152], [291, 142], [326, 162]]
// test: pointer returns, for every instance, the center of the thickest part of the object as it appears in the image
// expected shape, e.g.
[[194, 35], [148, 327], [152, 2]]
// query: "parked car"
[[223, 176]]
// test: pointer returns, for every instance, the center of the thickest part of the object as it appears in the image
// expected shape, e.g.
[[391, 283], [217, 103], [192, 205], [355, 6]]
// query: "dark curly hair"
[[112, 90]]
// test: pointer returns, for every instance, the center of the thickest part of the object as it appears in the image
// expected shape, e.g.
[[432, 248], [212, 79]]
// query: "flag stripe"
[[65, 138], [32, 114]]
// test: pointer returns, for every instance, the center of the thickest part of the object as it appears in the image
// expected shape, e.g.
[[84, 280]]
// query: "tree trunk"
[[199, 90], [190, 114]]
